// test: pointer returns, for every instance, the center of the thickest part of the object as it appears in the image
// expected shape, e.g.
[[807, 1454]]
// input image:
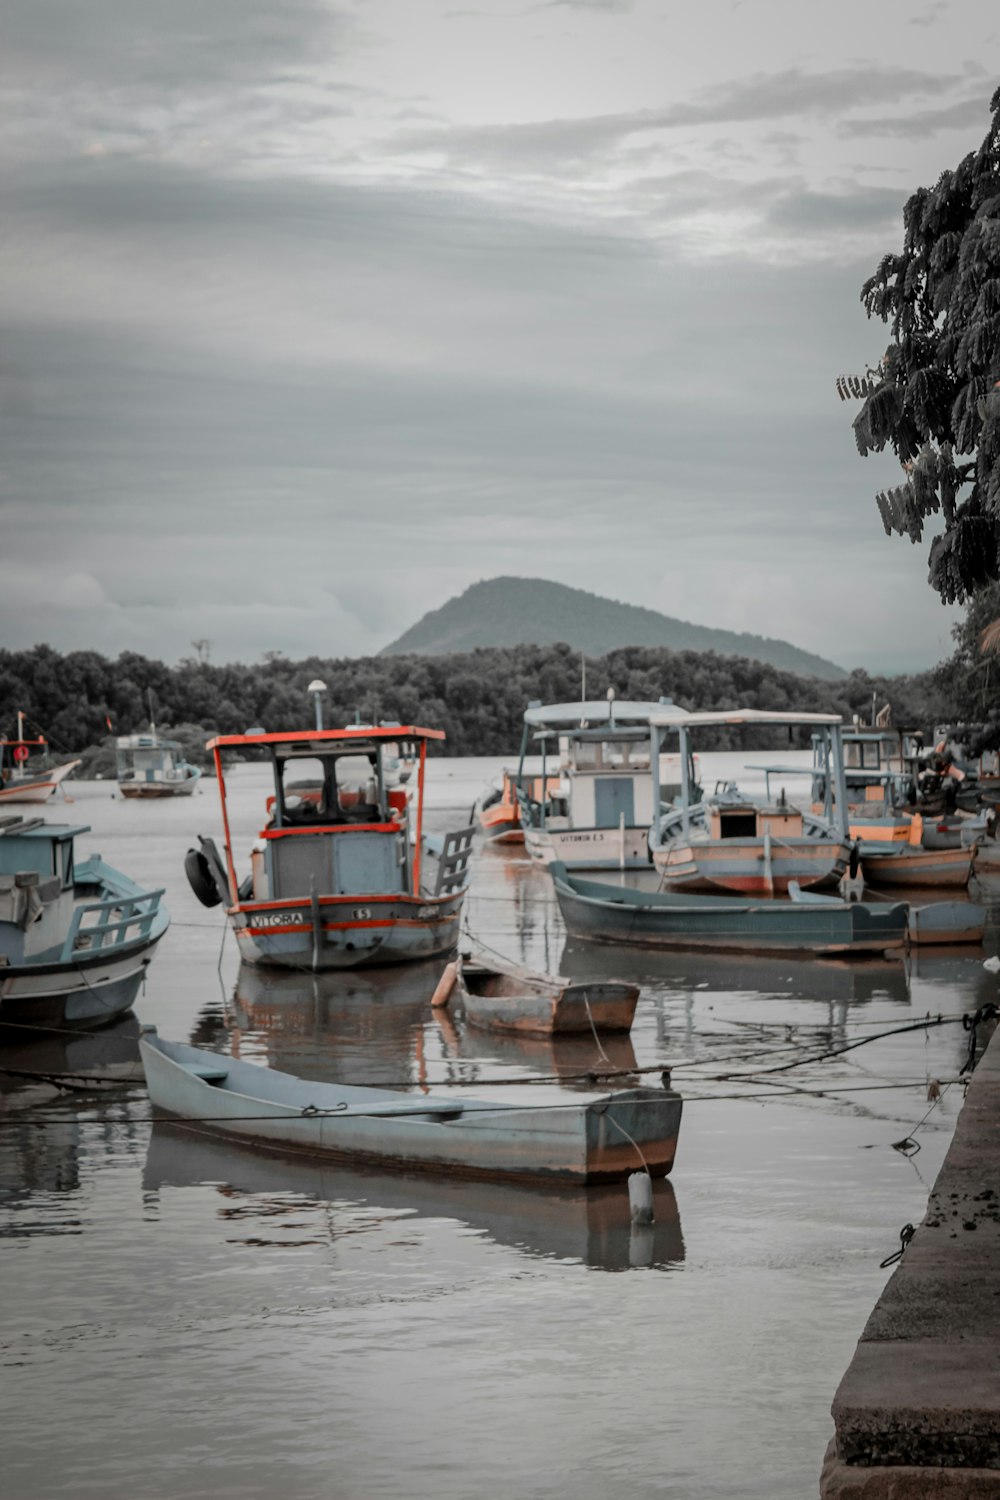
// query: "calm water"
[[184, 1318]]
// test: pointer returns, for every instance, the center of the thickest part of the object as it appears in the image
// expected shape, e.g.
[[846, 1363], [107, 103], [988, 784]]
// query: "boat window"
[[305, 789], [357, 787], [738, 825], [586, 755]]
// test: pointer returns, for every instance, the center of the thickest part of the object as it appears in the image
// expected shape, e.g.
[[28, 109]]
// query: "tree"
[[935, 395], [970, 678]]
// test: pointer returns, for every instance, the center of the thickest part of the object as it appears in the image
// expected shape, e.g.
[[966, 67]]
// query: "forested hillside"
[[536, 611], [477, 697]]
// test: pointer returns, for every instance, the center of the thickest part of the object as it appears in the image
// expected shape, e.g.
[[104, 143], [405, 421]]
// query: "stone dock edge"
[[917, 1413]]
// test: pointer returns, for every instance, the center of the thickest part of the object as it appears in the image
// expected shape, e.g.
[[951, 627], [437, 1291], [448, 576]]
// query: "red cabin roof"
[[387, 732]]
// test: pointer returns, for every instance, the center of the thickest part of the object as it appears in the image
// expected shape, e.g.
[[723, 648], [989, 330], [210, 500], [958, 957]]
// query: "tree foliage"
[[935, 396], [969, 681], [477, 697]]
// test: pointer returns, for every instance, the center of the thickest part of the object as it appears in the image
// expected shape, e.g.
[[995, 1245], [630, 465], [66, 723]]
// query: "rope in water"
[[830, 1092]]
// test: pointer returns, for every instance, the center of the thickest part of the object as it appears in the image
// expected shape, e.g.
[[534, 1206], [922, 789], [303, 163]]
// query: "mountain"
[[535, 611]]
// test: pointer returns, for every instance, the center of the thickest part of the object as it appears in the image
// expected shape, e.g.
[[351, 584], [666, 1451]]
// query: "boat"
[[600, 1140], [595, 814], [498, 814], [728, 842], [608, 913], [591, 1225], [76, 938], [27, 773], [336, 873], [515, 999], [893, 862], [895, 844], [151, 766], [944, 923]]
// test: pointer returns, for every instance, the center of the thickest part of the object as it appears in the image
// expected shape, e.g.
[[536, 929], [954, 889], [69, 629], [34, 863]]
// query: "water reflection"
[[591, 1226], [31, 1064], [841, 982], [44, 1083], [573, 1060], [364, 1026]]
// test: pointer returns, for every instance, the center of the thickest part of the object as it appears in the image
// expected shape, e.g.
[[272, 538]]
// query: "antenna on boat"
[[149, 696], [611, 705], [318, 688], [583, 688]]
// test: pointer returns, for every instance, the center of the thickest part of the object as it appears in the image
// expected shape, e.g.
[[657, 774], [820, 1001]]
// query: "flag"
[[107, 720]]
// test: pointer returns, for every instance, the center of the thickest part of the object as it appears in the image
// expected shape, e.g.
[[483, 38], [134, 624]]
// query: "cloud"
[[859, 208], [789, 93], [225, 398], [165, 44], [973, 112]]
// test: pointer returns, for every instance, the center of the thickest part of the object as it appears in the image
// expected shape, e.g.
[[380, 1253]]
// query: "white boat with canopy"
[[592, 805]]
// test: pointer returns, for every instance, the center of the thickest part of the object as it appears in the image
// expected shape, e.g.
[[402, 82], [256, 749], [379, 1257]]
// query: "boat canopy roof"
[[744, 716], [603, 714], [146, 742], [38, 828], [631, 733], [331, 739]]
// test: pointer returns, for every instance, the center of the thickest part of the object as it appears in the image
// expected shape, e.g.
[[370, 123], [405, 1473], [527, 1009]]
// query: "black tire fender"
[[854, 864], [199, 874]]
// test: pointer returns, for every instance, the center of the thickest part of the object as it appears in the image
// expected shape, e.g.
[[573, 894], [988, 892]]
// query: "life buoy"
[[21, 752]]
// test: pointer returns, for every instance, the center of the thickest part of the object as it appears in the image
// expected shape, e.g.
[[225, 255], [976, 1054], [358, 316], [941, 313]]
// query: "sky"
[[316, 313]]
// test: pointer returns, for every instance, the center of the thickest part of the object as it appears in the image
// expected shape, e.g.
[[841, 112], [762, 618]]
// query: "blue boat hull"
[[651, 919]]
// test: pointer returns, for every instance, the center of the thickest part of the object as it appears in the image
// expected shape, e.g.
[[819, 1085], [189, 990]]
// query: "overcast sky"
[[317, 311]]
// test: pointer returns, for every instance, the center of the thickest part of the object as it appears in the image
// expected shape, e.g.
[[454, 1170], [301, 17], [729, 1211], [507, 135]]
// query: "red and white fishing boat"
[[336, 874], [26, 773]]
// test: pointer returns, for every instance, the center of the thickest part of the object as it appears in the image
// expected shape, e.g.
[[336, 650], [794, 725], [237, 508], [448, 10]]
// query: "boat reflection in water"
[[40, 1176], [574, 1060], [377, 1028], [97, 1060], [359, 1026], [835, 981], [591, 1226]]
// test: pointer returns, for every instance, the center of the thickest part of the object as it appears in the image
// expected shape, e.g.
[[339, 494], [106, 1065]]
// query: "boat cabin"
[[604, 777], [146, 758], [37, 886], [601, 754], [334, 823], [747, 820]]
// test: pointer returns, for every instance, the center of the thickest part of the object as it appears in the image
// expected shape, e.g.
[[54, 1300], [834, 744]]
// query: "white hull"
[[36, 788], [589, 848]]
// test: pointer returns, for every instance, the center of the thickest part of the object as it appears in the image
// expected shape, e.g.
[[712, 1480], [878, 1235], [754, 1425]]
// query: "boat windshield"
[[329, 789]]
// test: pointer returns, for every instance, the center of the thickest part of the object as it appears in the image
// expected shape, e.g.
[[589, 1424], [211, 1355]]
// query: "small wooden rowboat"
[[597, 1140], [517, 1000]]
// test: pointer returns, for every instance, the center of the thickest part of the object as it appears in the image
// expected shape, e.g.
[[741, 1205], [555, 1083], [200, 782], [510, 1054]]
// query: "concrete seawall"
[[917, 1413]]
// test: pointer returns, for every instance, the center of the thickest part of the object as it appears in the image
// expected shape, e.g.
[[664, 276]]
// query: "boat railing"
[[453, 862], [98, 925]]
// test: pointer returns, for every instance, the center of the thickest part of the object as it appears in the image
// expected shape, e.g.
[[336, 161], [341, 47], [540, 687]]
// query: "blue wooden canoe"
[[607, 913]]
